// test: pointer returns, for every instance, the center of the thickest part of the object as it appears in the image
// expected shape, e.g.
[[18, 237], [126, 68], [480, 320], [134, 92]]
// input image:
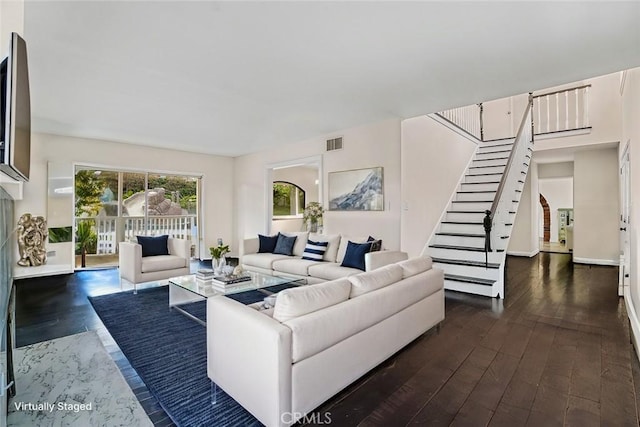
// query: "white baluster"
[[585, 107], [548, 114], [566, 110], [576, 92], [557, 111]]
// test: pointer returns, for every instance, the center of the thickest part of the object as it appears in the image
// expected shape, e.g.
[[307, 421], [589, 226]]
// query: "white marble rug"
[[72, 381]]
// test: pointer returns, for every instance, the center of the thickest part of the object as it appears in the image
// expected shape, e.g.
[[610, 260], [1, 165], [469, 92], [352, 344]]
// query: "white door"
[[625, 189]]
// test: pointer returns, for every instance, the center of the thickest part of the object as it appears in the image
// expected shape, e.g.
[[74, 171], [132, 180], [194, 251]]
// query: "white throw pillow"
[[296, 302], [370, 281]]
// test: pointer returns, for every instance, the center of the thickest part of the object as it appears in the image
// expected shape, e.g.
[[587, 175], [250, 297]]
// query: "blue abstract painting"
[[356, 190]]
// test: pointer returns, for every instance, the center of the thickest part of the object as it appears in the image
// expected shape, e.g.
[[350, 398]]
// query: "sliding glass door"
[[115, 206]]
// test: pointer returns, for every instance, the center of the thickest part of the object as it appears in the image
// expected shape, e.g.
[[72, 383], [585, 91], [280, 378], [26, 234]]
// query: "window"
[[288, 199]]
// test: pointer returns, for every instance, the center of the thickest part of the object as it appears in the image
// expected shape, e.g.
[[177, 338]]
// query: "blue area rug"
[[169, 352]]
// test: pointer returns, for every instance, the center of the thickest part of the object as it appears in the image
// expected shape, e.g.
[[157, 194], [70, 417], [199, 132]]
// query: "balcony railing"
[[561, 110], [467, 118], [111, 230]]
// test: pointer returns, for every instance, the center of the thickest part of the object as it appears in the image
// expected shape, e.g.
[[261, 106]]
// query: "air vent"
[[334, 144]]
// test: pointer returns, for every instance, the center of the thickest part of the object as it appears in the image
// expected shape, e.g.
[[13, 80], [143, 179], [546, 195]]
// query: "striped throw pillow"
[[314, 251]]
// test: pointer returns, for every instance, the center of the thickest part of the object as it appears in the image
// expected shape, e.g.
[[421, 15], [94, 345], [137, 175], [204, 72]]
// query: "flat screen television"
[[15, 112]]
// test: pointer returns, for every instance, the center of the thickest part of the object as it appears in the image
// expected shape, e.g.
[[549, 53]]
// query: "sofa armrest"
[[373, 260], [250, 246], [179, 247], [130, 261], [249, 357]]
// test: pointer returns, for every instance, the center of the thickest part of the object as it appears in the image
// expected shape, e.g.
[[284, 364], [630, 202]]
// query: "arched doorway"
[[546, 219]]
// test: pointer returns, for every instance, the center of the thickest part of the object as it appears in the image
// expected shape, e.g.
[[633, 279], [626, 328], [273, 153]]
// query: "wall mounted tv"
[[15, 112]]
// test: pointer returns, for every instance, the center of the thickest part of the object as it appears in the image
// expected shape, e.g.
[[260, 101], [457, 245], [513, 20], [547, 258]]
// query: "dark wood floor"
[[555, 351]]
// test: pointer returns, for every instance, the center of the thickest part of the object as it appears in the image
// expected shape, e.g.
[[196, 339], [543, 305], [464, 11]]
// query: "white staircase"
[[492, 182]]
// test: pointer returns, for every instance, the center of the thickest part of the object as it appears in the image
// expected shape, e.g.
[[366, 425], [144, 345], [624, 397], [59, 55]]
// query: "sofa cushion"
[[153, 246], [331, 271], [376, 279], [354, 257], [301, 241], [162, 262], [322, 329], [413, 266], [261, 260], [293, 265], [296, 302], [284, 245], [344, 241], [333, 241], [267, 243], [314, 251]]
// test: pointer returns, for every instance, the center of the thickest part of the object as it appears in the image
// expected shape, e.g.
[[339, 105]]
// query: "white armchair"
[[136, 269]]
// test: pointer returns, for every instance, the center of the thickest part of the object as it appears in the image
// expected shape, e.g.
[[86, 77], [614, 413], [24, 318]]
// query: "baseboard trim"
[[596, 261], [522, 253], [633, 321]]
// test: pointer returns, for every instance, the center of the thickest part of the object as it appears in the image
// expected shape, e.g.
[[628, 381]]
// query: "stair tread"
[[462, 222], [493, 158], [460, 234], [484, 167], [483, 174], [472, 201], [458, 248], [466, 212], [476, 191], [466, 279], [465, 262], [481, 182], [492, 152]]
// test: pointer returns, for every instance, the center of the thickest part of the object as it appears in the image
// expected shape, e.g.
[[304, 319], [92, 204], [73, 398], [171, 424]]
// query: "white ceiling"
[[231, 78]]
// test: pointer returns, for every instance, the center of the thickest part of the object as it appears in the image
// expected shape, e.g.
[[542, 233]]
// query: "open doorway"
[[555, 214], [293, 185]]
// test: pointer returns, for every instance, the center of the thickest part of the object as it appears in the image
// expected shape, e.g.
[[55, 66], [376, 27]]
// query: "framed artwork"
[[356, 190]]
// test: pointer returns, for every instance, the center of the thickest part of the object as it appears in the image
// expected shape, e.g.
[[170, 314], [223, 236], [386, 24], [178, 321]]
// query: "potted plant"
[[312, 215], [219, 261]]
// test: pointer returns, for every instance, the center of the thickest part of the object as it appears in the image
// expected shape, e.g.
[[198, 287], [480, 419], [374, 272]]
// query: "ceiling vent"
[[334, 144]]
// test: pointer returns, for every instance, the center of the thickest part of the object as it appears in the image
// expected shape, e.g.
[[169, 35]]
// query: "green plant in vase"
[[218, 253]]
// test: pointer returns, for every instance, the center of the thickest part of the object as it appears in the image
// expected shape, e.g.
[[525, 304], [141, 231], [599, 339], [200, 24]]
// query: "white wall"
[[524, 234], [631, 135], [11, 20], [433, 159], [596, 207], [217, 173], [555, 170], [559, 195], [502, 117], [372, 145]]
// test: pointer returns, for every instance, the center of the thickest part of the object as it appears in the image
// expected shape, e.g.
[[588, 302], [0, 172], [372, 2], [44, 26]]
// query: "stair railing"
[[562, 110], [496, 217], [467, 118]]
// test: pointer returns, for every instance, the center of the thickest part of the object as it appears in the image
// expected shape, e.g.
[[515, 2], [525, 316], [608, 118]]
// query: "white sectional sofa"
[[284, 363], [314, 271]]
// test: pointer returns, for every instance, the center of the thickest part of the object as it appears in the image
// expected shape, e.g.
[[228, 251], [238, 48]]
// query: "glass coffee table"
[[186, 289]]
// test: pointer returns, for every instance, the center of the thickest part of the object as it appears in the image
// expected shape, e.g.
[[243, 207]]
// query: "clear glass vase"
[[218, 265]]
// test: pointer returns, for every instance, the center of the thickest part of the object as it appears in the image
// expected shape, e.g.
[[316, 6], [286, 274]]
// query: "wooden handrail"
[[562, 91], [496, 199]]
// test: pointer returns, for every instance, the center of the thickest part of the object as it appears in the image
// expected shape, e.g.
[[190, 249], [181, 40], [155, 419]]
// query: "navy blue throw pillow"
[[284, 245], [314, 251], [152, 246], [354, 257], [267, 243]]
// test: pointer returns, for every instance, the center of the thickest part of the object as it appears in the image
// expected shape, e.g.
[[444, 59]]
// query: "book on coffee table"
[[231, 279]]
